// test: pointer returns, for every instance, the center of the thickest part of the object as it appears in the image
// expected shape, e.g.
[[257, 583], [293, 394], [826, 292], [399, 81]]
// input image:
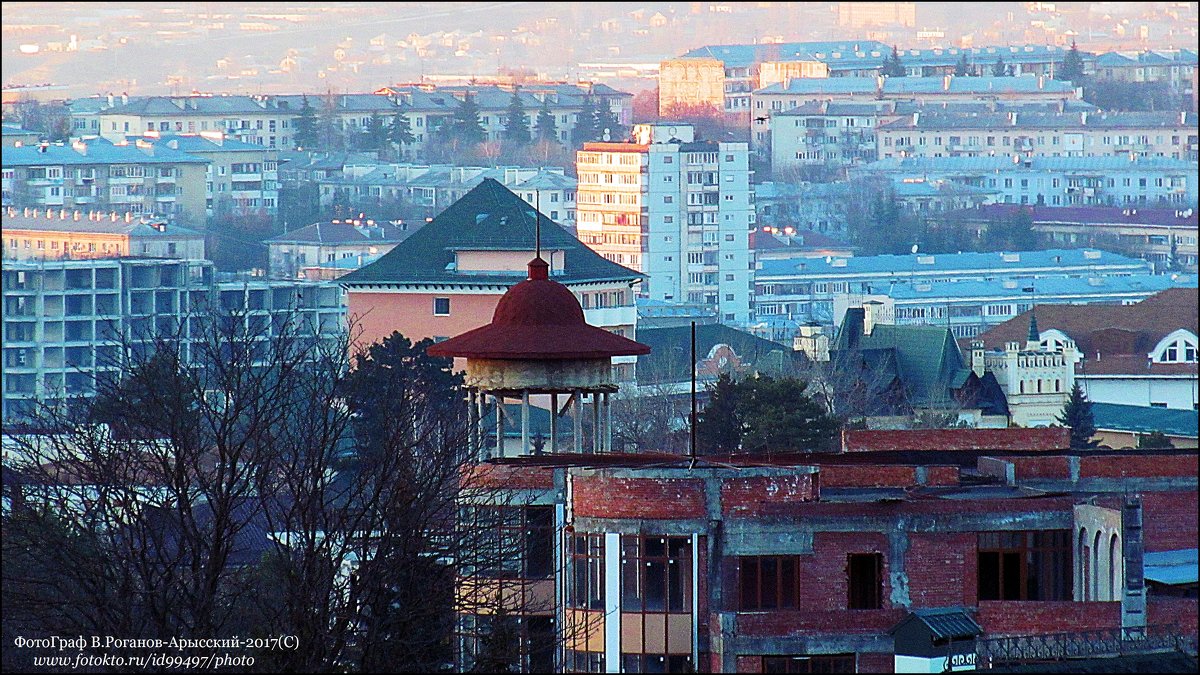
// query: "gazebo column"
[[472, 423], [554, 422], [596, 432], [607, 422], [525, 422], [499, 425], [480, 416], [577, 419]]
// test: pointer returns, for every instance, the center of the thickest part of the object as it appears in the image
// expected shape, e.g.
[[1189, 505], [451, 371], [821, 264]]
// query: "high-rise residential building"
[[675, 208]]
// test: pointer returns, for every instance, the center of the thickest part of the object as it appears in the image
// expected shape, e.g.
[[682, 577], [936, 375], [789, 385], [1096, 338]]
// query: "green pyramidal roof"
[[488, 218]]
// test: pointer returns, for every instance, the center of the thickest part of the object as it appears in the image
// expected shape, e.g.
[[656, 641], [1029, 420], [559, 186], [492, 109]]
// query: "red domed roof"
[[538, 319]]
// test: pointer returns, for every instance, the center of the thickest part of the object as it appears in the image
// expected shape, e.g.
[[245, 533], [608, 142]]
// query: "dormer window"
[[1178, 347]]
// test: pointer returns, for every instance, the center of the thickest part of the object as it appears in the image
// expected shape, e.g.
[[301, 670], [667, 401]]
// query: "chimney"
[[77, 215], [977, 361], [872, 315], [946, 82], [124, 98], [62, 215], [110, 100], [35, 213], [128, 217], [113, 216], [26, 212], [1012, 117], [1041, 82]]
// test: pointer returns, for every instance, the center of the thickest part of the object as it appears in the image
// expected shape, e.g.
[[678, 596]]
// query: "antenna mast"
[[537, 225]]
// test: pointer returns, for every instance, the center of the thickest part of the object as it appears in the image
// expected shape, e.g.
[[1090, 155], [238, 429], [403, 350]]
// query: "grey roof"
[[1139, 419], [99, 151], [14, 130], [548, 180], [1035, 163], [106, 225], [343, 232], [825, 85], [871, 54], [944, 623], [197, 143], [489, 217], [1024, 84]]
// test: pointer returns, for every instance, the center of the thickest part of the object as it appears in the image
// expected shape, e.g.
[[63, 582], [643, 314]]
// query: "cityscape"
[[610, 337]]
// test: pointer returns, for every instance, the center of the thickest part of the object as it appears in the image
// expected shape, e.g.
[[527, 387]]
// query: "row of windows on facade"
[[1030, 141], [597, 300]]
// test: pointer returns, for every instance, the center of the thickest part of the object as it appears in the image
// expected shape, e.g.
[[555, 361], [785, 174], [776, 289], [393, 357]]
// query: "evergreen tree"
[[516, 124], [585, 126], [330, 136], [606, 119], [718, 427], [306, 127], [1072, 66], [546, 130], [1077, 414], [400, 132], [375, 135], [998, 68], [465, 125], [892, 66], [962, 68]]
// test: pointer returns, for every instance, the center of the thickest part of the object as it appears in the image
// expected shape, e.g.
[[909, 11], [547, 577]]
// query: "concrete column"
[[480, 415], [577, 419], [472, 423], [554, 424], [499, 425], [607, 422], [525, 422], [595, 423], [612, 602]]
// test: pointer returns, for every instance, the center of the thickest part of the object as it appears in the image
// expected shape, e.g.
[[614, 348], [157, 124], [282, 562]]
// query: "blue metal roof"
[[197, 143], [99, 151], [1036, 163], [1023, 84], [1117, 417], [1177, 567], [871, 54], [829, 85], [901, 265]]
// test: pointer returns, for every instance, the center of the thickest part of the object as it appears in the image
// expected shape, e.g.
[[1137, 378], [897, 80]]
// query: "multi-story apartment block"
[[240, 178], [1166, 238], [894, 96], [437, 186], [260, 120], [806, 290], [969, 308], [1176, 67], [58, 233], [315, 250], [14, 136], [68, 321], [823, 134], [677, 209], [136, 177], [1055, 181], [743, 66], [1082, 134]]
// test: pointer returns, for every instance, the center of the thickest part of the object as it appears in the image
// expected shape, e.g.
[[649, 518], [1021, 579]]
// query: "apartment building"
[[969, 308], [1109, 180], [1082, 134], [324, 249], [1014, 93], [1166, 238], [14, 136], [240, 177], [251, 119], [68, 321], [805, 290], [58, 233], [743, 66], [676, 209], [824, 134], [136, 177], [1176, 67], [436, 186]]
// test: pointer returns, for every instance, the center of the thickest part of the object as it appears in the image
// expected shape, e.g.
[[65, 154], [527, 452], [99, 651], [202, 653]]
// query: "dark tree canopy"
[[892, 66], [764, 415], [306, 126], [516, 123], [547, 130], [998, 68], [1154, 440], [962, 68], [585, 128], [1072, 66]]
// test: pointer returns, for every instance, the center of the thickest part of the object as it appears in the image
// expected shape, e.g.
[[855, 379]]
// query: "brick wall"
[[782, 623], [1037, 618], [1180, 611], [1169, 520], [1040, 467], [761, 495], [941, 569], [867, 476], [601, 496], [941, 475], [957, 439], [1140, 466], [824, 580], [876, 663], [509, 476]]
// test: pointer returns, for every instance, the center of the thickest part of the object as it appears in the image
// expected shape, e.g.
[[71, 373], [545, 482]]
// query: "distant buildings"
[[328, 250], [1176, 67], [14, 135], [69, 321], [31, 234], [240, 177], [136, 177], [804, 290], [1055, 181], [676, 209], [744, 67]]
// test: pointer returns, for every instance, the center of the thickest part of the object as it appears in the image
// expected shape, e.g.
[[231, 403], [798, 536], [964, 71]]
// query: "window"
[[814, 663], [768, 582], [656, 574], [1033, 565], [585, 585], [865, 572], [441, 306]]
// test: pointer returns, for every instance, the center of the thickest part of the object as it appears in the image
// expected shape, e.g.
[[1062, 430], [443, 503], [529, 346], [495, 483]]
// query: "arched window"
[[1177, 347], [1084, 566], [1096, 570]]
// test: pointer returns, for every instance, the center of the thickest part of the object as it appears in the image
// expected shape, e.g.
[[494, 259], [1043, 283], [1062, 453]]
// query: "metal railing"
[[1107, 642]]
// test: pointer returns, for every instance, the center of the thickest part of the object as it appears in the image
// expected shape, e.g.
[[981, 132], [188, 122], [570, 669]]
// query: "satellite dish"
[[828, 259], [914, 248]]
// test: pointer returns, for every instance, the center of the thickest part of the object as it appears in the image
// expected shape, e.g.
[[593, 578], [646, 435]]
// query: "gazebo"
[[539, 343]]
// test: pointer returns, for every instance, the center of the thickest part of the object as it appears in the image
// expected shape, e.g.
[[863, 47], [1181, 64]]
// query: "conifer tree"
[[1077, 414], [516, 124], [892, 66], [998, 68], [400, 132], [546, 130], [465, 125], [306, 126], [585, 126], [962, 68], [1072, 66]]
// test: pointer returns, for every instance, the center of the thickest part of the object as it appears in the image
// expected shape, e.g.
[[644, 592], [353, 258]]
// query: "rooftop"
[[899, 266], [1001, 163], [90, 222], [96, 151], [1143, 420]]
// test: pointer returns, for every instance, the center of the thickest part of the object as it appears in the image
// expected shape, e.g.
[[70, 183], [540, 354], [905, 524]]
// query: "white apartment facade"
[[676, 209]]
